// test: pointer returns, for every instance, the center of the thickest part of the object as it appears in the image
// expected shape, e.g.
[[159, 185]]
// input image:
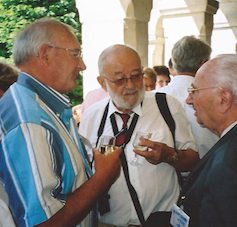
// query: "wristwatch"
[[175, 157]]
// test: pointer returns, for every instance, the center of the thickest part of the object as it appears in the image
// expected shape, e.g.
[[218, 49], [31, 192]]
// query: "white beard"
[[119, 100]]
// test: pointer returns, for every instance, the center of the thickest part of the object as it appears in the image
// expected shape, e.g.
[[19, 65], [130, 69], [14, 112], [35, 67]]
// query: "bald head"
[[221, 71], [113, 50]]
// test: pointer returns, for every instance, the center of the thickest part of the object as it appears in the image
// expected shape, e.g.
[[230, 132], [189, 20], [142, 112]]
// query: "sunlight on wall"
[[223, 40]]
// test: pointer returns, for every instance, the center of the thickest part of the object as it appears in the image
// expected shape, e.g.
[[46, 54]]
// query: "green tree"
[[16, 14]]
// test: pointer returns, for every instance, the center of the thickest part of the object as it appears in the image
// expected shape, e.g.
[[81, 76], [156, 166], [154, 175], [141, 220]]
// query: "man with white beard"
[[155, 181]]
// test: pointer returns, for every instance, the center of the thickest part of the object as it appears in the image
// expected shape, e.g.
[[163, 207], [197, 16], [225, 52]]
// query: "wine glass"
[[136, 161], [106, 144]]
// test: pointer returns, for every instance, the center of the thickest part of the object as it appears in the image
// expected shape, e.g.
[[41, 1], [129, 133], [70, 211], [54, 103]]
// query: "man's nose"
[[81, 65], [189, 100], [130, 84]]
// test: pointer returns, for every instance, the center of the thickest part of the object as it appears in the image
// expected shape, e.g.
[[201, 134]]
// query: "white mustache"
[[128, 92]]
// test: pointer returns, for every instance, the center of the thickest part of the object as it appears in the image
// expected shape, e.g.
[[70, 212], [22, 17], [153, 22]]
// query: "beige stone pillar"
[[202, 12], [136, 26], [158, 54]]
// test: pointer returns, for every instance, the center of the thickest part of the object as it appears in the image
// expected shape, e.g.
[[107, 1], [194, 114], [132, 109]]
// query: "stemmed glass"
[[106, 144], [136, 161]]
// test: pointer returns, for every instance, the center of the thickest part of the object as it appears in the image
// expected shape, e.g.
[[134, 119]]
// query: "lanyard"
[[115, 127], [131, 189]]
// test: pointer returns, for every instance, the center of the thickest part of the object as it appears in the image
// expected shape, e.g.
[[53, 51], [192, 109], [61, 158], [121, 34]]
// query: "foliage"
[[16, 14]]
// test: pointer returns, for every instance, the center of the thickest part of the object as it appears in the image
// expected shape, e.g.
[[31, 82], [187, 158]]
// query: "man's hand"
[[109, 166], [158, 152]]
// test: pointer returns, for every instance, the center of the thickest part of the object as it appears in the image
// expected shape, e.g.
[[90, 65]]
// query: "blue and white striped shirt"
[[41, 161]]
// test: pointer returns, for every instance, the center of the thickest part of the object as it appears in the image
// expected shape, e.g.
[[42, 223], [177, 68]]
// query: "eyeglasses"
[[151, 86], [192, 90], [77, 55], [120, 82]]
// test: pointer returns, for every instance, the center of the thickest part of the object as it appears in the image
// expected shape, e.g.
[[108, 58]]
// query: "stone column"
[[202, 12], [136, 26]]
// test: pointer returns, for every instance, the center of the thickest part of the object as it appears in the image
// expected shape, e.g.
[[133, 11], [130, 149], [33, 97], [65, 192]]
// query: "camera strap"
[[131, 189]]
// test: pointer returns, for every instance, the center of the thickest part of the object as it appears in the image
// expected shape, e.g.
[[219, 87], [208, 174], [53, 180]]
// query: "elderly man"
[[156, 185], [209, 195], [42, 163], [188, 55]]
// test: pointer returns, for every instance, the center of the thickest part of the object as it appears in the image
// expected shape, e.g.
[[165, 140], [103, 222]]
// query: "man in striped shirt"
[[42, 164]]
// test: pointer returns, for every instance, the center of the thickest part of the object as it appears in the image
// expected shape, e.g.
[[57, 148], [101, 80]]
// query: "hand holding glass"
[[106, 144], [136, 160]]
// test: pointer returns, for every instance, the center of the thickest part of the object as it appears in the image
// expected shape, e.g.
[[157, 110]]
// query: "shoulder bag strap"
[[165, 112]]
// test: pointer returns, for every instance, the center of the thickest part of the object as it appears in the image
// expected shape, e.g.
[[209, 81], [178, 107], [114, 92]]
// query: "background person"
[[163, 76], [8, 76], [188, 55], [93, 97], [209, 194], [149, 78], [156, 182], [42, 162], [171, 68]]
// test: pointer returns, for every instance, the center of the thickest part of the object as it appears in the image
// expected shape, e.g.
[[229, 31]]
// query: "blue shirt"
[[41, 161]]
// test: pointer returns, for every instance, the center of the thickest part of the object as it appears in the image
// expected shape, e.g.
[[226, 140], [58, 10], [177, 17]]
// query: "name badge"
[[178, 217]]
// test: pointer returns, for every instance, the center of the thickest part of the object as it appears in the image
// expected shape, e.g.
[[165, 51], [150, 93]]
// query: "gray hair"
[[224, 73], [149, 73], [118, 48], [29, 40], [188, 53]]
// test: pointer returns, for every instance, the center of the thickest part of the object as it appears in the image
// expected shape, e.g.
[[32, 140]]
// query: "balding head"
[[113, 50]]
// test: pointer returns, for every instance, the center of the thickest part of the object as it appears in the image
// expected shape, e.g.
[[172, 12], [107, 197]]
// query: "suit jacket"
[[209, 195]]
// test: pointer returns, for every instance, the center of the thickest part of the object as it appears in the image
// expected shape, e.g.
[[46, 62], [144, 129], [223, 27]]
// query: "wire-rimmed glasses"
[[120, 82]]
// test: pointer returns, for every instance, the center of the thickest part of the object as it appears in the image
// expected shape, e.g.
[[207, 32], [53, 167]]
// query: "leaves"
[[16, 14]]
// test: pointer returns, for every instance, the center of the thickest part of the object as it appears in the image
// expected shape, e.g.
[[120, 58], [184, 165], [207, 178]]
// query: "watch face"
[[175, 157]]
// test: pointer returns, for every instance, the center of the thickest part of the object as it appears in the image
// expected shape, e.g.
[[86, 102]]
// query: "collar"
[[182, 79], [113, 108], [56, 101], [228, 128]]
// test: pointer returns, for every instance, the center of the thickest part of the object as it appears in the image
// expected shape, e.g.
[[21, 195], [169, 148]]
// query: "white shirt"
[[228, 128], [156, 185], [178, 89]]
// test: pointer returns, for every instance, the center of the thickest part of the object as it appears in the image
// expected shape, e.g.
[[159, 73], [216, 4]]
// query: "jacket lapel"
[[200, 165]]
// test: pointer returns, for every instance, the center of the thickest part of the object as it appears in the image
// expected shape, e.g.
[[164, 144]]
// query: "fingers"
[[146, 143], [95, 151]]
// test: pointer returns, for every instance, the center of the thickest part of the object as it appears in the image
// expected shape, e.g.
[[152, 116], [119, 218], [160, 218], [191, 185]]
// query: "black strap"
[[131, 189], [165, 112], [102, 123]]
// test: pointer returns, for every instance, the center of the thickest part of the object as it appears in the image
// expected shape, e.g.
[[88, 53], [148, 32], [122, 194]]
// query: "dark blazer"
[[209, 195]]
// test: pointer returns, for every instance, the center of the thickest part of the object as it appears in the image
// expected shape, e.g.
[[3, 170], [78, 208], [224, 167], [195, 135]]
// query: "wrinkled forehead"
[[124, 61]]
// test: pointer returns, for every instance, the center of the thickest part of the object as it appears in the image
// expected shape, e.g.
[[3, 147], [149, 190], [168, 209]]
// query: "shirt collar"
[[228, 128], [113, 108], [56, 101]]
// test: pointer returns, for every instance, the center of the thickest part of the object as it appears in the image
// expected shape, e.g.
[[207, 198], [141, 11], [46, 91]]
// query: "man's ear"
[[43, 54], [226, 100], [204, 60], [102, 82]]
